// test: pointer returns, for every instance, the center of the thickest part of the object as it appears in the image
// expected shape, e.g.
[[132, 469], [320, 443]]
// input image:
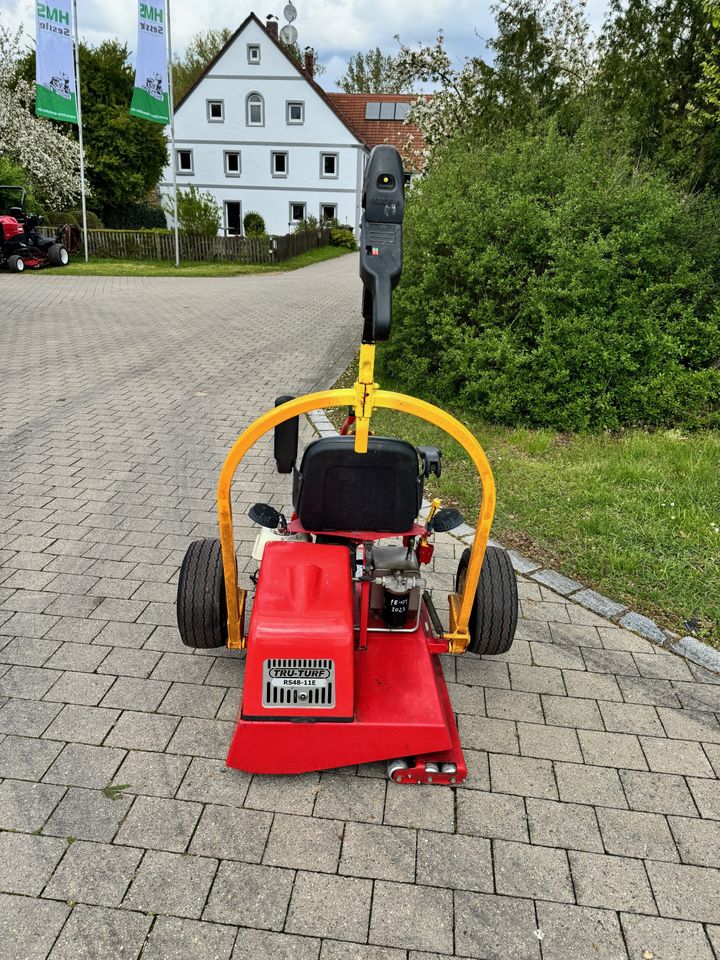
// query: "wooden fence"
[[152, 245]]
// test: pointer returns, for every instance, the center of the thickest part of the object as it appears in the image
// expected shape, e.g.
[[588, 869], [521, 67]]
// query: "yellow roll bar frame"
[[364, 397]]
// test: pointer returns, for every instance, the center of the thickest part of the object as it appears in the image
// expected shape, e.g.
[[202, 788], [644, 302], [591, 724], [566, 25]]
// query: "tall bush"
[[554, 282], [198, 212]]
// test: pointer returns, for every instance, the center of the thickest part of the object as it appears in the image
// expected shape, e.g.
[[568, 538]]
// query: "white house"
[[259, 134]]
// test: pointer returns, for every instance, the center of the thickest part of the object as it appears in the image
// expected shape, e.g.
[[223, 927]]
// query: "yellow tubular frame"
[[364, 397]]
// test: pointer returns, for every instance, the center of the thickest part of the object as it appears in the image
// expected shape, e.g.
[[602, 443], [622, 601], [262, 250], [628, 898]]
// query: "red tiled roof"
[[352, 107]]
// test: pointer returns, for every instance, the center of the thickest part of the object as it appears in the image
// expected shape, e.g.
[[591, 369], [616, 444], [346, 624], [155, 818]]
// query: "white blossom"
[[50, 159]]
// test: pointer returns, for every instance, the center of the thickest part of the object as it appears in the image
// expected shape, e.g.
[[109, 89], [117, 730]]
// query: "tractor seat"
[[338, 489]]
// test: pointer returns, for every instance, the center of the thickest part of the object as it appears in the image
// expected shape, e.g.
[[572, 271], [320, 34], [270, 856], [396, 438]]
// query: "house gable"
[[232, 72]]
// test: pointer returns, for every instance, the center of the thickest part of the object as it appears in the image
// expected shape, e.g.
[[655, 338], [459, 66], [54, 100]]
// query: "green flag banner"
[[150, 96], [55, 95]]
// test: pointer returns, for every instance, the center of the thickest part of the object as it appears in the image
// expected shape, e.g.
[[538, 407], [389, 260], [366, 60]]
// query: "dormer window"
[[253, 52]]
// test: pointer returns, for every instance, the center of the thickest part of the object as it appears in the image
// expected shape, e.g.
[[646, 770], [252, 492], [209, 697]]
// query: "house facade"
[[259, 134]]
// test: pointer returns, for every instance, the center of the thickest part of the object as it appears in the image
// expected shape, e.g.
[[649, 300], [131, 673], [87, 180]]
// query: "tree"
[[39, 150], [126, 155], [542, 61], [299, 57], [652, 69], [373, 72], [202, 48]]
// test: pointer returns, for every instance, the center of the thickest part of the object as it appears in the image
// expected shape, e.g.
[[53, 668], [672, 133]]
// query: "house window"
[[215, 111], [328, 164], [279, 164], [295, 111], [297, 212], [328, 212], [253, 52], [255, 110], [184, 161], [233, 218], [232, 163]]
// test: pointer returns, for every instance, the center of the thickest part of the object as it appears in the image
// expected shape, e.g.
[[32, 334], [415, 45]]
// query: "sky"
[[336, 28]]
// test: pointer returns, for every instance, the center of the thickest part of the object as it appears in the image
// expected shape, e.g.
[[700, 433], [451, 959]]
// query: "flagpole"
[[80, 129], [171, 106]]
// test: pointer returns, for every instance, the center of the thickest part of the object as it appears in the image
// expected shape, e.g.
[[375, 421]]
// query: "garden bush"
[[61, 217], [253, 224], [554, 282], [343, 237], [135, 216], [198, 212]]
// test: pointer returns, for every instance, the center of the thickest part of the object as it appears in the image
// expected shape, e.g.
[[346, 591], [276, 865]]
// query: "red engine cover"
[[11, 228], [303, 611]]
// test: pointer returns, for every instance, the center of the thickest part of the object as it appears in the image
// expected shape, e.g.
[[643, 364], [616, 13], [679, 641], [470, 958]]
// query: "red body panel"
[[391, 697], [11, 228], [303, 609]]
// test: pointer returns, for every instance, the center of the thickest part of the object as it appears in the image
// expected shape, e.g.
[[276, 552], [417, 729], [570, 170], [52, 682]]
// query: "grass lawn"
[[634, 515], [164, 268]]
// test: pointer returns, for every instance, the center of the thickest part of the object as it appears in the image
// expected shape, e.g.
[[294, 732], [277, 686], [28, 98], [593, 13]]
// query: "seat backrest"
[[338, 489]]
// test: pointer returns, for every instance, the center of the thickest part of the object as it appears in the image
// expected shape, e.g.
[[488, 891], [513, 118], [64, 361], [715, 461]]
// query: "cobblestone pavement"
[[589, 825]]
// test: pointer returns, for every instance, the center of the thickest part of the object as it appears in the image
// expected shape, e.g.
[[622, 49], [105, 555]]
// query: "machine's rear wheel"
[[495, 609], [58, 255], [201, 606], [16, 264]]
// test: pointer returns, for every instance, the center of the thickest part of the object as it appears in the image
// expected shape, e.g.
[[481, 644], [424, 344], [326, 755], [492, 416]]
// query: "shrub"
[[74, 217], [555, 283], [343, 237], [253, 224], [198, 212], [307, 225], [135, 216]]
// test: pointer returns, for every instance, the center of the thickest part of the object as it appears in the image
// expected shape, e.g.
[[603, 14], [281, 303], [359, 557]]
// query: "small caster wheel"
[[395, 767]]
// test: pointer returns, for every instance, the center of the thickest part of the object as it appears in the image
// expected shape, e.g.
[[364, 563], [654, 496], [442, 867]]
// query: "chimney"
[[271, 26], [309, 63]]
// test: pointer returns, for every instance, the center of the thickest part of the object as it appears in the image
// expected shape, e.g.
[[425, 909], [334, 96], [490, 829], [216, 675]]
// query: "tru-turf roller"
[[343, 645]]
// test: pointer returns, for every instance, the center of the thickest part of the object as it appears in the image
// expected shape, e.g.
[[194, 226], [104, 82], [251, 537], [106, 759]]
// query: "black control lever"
[[383, 203]]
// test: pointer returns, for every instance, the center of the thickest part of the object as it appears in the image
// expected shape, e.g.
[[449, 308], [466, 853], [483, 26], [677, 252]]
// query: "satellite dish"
[[288, 34], [290, 13]]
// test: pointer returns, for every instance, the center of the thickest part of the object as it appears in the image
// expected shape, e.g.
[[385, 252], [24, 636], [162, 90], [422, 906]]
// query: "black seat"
[[338, 489]]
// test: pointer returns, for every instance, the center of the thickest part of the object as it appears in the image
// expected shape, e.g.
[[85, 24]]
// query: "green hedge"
[[135, 216], [552, 282]]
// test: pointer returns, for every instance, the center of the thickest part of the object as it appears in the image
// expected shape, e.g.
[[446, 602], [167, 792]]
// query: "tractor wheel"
[[495, 610], [201, 606], [58, 256], [16, 264]]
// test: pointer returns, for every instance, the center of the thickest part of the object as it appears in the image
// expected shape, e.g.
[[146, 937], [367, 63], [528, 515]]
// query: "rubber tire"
[[55, 255], [495, 610], [201, 606], [16, 264]]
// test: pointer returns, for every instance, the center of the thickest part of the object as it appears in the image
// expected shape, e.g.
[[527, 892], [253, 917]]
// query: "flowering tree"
[[541, 56], [50, 159]]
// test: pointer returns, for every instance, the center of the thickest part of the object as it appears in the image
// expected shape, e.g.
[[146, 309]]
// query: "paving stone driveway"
[[590, 823]]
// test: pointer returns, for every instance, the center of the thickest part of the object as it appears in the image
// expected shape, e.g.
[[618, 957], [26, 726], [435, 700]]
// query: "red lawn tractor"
[[343, 644], [21, 246]]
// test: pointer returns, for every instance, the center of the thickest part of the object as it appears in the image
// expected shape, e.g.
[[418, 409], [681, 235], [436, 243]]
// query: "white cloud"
[[336, 28]]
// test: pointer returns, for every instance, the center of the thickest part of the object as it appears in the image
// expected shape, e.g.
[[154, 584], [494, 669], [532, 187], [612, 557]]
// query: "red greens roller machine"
[[343, 643]]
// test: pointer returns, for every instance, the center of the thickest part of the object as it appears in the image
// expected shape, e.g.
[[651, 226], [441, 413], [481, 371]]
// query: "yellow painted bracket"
[[365, 396]]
